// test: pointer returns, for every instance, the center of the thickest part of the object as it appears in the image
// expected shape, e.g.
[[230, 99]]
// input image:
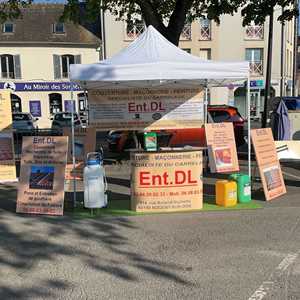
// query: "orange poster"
[[166, 181], [268, 163], [85, 142], [221, 148], [7, 157], [5, 110], [41, 185]]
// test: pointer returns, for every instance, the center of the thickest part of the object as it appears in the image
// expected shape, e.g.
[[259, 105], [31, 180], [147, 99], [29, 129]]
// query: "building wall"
[[37, 68], [228, 43]]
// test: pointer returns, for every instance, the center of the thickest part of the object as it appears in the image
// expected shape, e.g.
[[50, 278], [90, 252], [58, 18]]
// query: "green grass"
[[122, 208]]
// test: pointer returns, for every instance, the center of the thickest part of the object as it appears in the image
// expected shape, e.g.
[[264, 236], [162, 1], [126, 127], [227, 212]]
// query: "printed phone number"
[[167, 194]]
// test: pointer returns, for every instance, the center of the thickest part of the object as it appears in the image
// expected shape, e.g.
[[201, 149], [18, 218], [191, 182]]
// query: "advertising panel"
[[221, 148], [85, 142], [150, 109], [166, 181], [41, 185], [268, 163], [35, 108], [5, 111], [288, 150], [7, 157]]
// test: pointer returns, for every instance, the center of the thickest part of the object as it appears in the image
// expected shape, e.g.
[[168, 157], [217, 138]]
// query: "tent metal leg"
[[248, 127], [73, 145]]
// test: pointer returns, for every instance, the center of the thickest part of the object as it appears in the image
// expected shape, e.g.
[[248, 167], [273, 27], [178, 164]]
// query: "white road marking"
[[266, 286], [291, 175]]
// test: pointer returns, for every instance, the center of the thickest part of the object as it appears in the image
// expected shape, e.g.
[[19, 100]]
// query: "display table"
[[166, 181]]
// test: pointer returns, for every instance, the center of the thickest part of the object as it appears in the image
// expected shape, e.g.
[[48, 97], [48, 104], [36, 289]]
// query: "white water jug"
[[95, 184]]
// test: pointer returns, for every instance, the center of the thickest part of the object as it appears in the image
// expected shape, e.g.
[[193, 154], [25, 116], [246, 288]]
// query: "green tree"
[[168, 17], [259, 11], [11, 9]]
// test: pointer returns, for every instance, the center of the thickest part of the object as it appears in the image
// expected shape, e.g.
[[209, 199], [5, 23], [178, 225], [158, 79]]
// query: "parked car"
[[119, 140], [64, 119], [24, 121]]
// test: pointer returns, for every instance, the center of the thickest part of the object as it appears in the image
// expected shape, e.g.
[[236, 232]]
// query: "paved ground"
[[214, 255]]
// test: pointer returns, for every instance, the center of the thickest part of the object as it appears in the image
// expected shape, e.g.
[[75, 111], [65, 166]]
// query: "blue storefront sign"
[[35, 108], [257, 84], [40, 86], [68, 105]]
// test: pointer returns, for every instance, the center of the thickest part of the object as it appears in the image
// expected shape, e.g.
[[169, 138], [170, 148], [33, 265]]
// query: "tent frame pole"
[[248, 127], [73, 145]]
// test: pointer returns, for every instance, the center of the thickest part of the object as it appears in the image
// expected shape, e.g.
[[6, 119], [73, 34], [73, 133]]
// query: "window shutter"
[[17, 66], [57, 66], [77, 59]]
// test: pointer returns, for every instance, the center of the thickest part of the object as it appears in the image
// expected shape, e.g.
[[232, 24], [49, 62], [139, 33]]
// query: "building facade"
[[229, 41], [36, 52]]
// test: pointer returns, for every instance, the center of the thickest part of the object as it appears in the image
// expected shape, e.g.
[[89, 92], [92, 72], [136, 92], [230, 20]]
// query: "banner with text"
[[5, 110], [84, 142], [41, 185], [221, 147], [166, 181], [137, 109], [268, 163], [7, 157]]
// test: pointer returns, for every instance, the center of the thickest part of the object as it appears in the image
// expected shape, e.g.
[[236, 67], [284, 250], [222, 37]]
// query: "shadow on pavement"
[[29, 241]]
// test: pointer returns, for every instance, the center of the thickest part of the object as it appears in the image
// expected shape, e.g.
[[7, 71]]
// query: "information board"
[[7, 157], [268, 163], [166, 181], [85, 142], [5, 110], [221, 147], [41, 185], [135, 109]]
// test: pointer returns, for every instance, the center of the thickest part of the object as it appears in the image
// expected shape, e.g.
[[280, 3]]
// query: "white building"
[[229, 41], [36, 52]]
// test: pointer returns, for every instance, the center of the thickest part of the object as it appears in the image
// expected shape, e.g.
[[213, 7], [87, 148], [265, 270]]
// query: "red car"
[[120, 140]]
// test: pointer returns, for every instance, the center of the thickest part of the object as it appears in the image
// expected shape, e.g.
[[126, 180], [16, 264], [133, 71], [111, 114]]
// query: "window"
[[10, 66], [205, 29], [61, 64], [186, 33], [58, 28], [205, 53], [220, 116], [134, 29], [55, 103], [188, 50], [254, 32], [16, 104], [255, 57], [81, 102], [8, 28]]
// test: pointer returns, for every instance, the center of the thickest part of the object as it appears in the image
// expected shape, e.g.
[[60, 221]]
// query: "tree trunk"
[[269, 72]]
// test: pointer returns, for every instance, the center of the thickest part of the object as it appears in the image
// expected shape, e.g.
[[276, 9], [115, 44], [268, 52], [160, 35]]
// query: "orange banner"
[[221, 148], [268, 163], [167, 181]]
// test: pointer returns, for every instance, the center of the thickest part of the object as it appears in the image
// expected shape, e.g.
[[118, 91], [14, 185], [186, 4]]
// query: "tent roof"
[[150, 61]]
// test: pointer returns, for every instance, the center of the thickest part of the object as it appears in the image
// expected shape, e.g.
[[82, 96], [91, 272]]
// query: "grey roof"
[[36, 26]]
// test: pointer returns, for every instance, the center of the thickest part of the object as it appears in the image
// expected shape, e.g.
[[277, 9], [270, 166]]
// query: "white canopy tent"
[[152, 61]]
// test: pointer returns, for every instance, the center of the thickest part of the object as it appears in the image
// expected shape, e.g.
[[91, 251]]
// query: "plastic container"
[[94, 182], [226, 193], [243, 187]]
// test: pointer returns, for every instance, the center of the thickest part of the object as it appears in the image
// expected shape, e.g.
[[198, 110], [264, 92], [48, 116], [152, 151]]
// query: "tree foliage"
[[259, 10], [12, 9]]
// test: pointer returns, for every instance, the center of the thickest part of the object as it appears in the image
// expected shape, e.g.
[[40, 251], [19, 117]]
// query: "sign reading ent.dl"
[[40, 86]]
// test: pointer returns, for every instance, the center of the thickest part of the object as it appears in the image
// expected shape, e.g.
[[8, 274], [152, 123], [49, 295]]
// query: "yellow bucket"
[[226, 193]]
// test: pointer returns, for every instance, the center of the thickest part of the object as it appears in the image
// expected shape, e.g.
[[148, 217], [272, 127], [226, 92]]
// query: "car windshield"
[[21, 117], [65, 117], [220, 116]]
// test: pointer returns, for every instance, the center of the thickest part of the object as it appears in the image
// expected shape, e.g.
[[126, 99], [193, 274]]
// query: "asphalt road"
[[251, 254]]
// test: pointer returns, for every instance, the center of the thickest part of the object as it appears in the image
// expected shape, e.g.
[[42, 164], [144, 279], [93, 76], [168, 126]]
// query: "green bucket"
[[243, 187]]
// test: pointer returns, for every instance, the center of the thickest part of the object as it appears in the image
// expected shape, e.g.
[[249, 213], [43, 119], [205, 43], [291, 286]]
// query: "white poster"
[[146, 109]]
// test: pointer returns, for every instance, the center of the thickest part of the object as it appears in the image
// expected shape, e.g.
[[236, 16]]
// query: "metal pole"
[[282, 64], [205, 104], [73, 146], [103, 39], [249, 127], [296, 19]]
